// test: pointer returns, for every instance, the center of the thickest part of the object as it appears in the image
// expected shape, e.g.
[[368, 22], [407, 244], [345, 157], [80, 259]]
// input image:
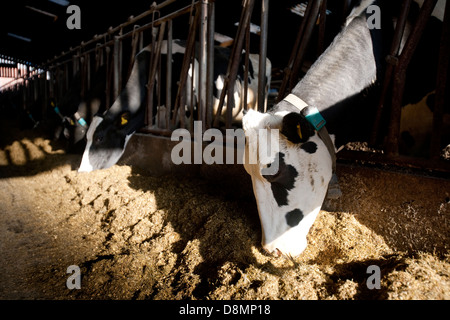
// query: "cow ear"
[[123, 119], [296, 128]]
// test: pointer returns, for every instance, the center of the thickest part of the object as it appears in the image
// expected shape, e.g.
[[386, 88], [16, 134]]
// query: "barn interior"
[[149, 229]]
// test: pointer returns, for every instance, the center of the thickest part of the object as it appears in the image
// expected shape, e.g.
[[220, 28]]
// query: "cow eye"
[[98, 139]]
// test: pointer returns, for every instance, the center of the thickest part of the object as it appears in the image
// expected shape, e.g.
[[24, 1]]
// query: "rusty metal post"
[[391, 60], [152, 74], [442, 77], [400, 76], [116, 59], [181, 96], [134, 41], [83, 76], [263, 55], [169, 72], [98, 57], [233, 65], [46, 92], [246, 68], [210, 63], [291, 71], [88, 71], [109, 76], [51, 84], [203, 58], [322, 22], [302, 49], [66, 79]]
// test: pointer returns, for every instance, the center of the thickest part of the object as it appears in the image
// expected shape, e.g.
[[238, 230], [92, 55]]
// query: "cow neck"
[[318, 126]]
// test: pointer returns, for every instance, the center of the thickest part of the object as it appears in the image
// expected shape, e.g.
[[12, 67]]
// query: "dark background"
[[50, 36]]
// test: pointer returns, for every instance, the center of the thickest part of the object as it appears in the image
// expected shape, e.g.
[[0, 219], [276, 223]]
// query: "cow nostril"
[[276, 253]]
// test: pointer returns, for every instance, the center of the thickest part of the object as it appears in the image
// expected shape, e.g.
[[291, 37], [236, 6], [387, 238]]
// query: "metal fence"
[[117, 48]]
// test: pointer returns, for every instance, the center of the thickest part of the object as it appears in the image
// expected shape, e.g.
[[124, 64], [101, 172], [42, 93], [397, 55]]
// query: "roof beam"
[[54, 16]]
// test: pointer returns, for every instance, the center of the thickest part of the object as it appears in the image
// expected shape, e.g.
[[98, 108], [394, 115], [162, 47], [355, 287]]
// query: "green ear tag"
[[314, 117]]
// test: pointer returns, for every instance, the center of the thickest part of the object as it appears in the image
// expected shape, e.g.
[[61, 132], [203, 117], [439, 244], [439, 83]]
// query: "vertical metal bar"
[[120, 63], [66, 76], [159, 84], [82, 75], [192, 93], [116, 67], [246, 69], [97, 58], [169, 73], [51, 84], [442, 79], [210, 62], [400, 76], [46, 93], [288, 70], [302, 49], [24, 95], [180, 98], [322, 22], [203, 62], [88, 71], [109, 75], [74, 65], [233, 66], [152, 74], [35, 88], [134, 42], [263, 55], [141, 41], [391, 61]]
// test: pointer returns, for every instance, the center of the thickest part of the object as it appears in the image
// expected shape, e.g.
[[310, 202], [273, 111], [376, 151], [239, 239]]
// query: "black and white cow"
[[109, 133], [75, 112], [290, 198]]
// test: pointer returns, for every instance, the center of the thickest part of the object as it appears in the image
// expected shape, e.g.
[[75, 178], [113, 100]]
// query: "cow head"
[[288, 198], [107, 138]]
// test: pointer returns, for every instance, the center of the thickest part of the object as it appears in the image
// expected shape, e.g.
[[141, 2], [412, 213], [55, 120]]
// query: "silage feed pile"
[[139, 237]]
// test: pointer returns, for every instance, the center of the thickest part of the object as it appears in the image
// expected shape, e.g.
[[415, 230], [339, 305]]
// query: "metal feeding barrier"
[[396, 66], [195, 22], [117, 48]]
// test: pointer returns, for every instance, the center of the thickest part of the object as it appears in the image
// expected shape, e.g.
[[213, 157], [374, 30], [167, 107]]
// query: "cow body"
[[290, 200], [75, 112], [109, 133]]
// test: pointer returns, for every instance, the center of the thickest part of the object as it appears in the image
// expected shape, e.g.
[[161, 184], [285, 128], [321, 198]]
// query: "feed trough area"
[[122, 201]]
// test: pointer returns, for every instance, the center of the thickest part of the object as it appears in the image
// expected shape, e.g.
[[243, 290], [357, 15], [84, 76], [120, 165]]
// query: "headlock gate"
[[114, 51]]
